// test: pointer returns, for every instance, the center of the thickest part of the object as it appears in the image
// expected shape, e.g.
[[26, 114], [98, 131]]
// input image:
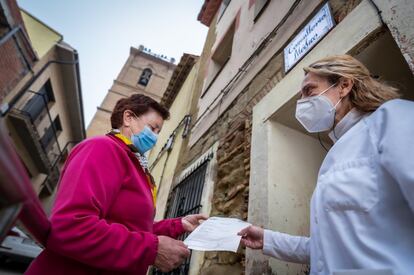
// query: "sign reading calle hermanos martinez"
[[314, 31]]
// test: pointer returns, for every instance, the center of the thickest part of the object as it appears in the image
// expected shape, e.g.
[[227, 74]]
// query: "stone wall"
[[233, 131]]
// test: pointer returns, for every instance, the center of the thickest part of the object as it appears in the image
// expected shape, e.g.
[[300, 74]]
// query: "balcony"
[[38, 133]]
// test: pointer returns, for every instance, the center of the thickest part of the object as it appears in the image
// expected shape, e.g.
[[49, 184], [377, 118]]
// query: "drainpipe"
[[80, 93]]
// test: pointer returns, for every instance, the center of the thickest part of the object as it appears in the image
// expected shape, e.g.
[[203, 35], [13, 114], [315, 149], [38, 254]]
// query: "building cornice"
[[134, 51], [178, 78], [208, 11]]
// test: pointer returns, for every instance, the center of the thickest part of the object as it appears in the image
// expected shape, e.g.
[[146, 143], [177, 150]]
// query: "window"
[[224, 49], [259, 7], [49, 134], [185, 199], [145, 77], [223, 8], [38, 102], [220, 57], [186, 196]]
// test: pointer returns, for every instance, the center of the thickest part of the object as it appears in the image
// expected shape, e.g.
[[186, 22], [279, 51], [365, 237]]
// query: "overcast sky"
[[103, 31]]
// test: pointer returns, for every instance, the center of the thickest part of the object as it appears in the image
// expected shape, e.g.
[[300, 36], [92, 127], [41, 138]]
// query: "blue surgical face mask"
[[144, 140]]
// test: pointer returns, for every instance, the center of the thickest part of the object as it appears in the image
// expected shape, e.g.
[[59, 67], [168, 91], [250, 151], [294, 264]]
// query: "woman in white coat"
[[362, 209]]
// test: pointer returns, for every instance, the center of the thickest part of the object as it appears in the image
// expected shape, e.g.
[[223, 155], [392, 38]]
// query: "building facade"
[[39, 81], [244, 122], [188, 192], [145, 73], [164, 156]]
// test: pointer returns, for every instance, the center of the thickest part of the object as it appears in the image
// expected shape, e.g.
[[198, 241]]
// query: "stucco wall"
[[42, 37], [294, 161], [247, 39], [163, 171]]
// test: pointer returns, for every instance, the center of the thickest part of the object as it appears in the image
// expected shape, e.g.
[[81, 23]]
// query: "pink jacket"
[[103, 217]]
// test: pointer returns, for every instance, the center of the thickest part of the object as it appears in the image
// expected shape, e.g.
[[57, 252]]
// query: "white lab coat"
[[362, 209]]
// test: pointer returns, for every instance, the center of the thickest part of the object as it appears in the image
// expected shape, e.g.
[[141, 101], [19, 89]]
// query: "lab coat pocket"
[[350, 186]]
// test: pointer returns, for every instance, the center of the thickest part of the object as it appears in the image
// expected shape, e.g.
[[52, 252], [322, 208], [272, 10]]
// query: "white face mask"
[[316, 113]]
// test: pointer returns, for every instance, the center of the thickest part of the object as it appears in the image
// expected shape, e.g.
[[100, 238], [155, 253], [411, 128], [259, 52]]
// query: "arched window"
[[145, 77]]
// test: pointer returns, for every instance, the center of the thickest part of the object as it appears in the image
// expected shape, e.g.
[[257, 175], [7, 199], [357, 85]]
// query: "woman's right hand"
[[252, 237], [171, 254]]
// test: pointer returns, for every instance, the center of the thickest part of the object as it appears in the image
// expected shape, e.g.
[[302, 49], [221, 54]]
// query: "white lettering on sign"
[[314, 31]]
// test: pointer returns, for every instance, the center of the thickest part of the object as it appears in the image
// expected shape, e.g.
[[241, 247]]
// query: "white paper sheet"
[[216, 234]]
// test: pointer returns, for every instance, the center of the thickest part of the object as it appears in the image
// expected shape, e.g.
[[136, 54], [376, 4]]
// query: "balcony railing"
[[42, 146]]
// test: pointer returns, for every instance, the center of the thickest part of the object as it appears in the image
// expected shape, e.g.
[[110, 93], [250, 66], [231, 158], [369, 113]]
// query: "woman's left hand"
[[190, 222]]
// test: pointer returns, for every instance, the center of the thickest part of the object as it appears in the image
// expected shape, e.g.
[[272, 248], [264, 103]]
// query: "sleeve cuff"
[[153, 249], [267, 242], [177, 227]]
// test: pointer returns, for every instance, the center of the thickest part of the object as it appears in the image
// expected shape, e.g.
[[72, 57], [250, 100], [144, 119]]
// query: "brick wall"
[[233, 131], [13, 66]]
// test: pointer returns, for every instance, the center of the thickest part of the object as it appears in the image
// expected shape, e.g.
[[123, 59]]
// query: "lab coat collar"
[[346, 123]]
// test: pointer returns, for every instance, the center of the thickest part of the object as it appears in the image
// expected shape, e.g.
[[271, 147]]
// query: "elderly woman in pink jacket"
[[103, 216]]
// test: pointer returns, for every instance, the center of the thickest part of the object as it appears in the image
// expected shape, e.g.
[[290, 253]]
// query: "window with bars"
[[39, 101], [54, 129], [185, 199]]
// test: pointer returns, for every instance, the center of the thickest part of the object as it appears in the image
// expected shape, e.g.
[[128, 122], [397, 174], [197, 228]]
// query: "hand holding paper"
[[190, 222], [216, 234], [252, 237]]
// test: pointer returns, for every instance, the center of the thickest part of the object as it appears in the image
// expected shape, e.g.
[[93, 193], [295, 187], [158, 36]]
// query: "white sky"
[[102, 31]]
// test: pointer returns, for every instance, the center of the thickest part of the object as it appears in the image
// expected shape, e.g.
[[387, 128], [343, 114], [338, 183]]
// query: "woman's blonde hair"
[[367, 93]]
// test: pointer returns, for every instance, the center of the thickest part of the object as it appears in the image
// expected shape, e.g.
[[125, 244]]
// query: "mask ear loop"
[[333, 127], [334, 108], [333, 130]]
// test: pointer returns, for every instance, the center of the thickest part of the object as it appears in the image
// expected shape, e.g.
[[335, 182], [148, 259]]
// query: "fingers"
[[191, 222], [184, 252], [171, 253], [181, 260], [181, 244], [201, 217], [198, 217], [246, 243], [249, 244], [245, 231]]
